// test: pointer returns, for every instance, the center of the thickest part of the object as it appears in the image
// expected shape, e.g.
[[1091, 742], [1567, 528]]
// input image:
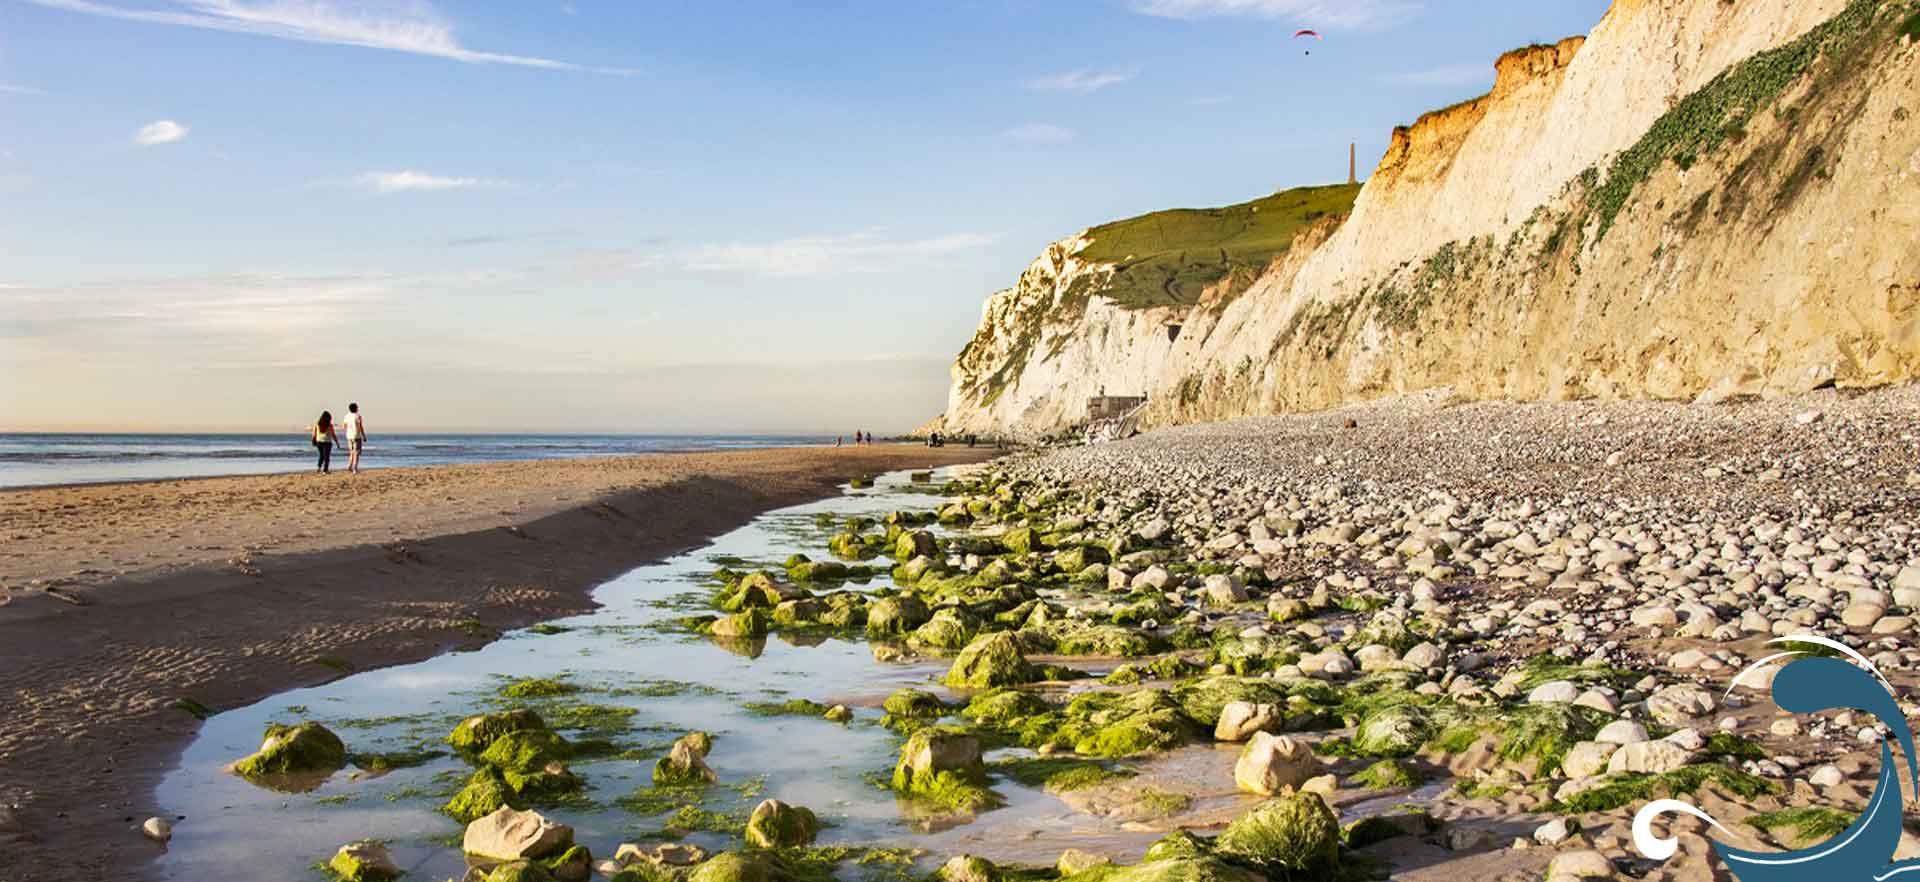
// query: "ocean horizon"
[[38, 459]]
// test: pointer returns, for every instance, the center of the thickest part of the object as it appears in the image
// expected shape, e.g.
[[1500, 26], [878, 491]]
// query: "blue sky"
[[599, 215]]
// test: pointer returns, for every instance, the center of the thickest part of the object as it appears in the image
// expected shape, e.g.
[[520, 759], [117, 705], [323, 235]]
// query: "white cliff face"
[[1474, 258]]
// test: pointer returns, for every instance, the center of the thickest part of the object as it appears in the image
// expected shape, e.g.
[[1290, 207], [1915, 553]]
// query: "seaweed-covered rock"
[[915, 703], [816, 570], [896, 616], [1110, 641], [1196, 869], [1113, 725], [775, 824], [1203, 700], [729, 866], [1076, 559], [991, 660], [1393, 731], [364, 862], [574, 864], [796, 613], [1020, 540], [1002, 707], [950, 628], [1405, 821], [916, 569], [686, 763], [941, 766], [969, 868], [308, 748], [527, 750], [1297, 835], [519, 871], [746, 623], [918, 543], [1271, 764], [475, 734], [511, 835], [486, 792], [1178, 844]]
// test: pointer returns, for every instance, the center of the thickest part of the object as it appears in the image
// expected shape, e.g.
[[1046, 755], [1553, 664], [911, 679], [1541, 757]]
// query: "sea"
[[42, 459]]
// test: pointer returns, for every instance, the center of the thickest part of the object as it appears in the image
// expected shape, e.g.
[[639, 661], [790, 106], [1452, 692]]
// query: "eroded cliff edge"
[[1697, 199]]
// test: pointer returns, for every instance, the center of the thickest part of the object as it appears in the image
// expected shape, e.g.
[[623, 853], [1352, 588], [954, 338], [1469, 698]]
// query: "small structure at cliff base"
[[1106, 407]]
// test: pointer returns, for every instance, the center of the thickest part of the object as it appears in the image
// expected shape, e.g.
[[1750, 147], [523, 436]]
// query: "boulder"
[[1294, 836], [1224, 590], [686, 763], [1272, 764], [1680, 704], [1240, 719], [775, 824], [511, 835], [1392, 731], [1652, 757], [991, 660], [486, 792], [1588, 758], [752, 622], [730, 866], [896, 616], [918, 543], [364, 862], [308, 748], [1583, 864], [475, 734], [1074, 860], [968, 868]]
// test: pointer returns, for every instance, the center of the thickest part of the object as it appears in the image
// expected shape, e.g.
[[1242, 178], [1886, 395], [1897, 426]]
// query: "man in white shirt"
[[356, 437]]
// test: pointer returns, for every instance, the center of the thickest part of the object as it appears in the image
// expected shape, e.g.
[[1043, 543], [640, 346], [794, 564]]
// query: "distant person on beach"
[[356, 438], [839, 440], [323, 440]]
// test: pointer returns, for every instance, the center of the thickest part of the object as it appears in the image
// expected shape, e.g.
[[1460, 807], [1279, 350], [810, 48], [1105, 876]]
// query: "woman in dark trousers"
[[323, 440]]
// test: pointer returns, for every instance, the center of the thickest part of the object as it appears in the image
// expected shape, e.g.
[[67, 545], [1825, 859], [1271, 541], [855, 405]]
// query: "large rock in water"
[[510, 835], [686, 762], [1271, 764], [991, 660], [775, 824], [476, 734], [486, 792], [896, 616], [1295, 836], [308, 748], [1239, 720], [364, 862]]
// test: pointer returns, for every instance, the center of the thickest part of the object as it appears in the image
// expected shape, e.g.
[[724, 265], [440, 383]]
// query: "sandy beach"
[[124, 600]]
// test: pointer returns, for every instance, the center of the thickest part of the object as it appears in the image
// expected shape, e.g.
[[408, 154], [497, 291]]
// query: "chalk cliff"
[[1699, 198]]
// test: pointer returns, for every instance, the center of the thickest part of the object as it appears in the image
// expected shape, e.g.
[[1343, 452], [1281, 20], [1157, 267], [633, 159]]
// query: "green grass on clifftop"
[[1166, 258]]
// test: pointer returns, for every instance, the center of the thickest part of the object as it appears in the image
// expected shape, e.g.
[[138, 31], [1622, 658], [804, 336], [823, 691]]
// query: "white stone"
[[1272, 764]]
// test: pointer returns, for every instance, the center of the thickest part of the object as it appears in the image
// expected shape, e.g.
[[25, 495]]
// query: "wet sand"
[[125, 599]]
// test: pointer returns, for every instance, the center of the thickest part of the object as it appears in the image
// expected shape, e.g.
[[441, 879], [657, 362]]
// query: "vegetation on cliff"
[[1168, 257]]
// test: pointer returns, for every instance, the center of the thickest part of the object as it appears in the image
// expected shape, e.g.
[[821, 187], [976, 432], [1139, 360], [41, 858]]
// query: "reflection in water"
[[627, 656]]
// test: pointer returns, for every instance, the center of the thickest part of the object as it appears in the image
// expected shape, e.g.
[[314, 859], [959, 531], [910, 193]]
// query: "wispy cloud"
[[1040, 133], [410, 181], [411, 26], [1348, 14], [10, 89], [164, 131], [1083, 80], [1445, 75], [817, 255]]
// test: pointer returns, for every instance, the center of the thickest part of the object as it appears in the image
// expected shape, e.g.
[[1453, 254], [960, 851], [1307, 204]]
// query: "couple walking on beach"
[[325, 436]]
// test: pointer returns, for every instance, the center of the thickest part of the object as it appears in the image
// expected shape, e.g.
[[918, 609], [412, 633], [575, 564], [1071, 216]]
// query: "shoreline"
[[96, 682]]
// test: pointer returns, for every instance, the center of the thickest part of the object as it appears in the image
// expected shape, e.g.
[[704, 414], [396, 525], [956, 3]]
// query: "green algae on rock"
[[775, 824], [1395, 731], [486, 792], [686, 763], [364, 861], [1295, 835], [992, 660], [941, 766], [475, 734], [729, 866], [304, 749]]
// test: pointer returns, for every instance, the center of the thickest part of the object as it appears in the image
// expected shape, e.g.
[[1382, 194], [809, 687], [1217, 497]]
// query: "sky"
[[617, 215]]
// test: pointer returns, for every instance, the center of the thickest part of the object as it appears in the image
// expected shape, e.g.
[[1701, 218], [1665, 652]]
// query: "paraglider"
[[1308, 32]]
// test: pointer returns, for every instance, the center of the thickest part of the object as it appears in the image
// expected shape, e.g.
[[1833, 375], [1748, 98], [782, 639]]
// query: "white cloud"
[[1445, 75], [411, 26], [409, 181], [19, 90], [1351, 14], [1083, 80], [816, 255], [1040, 133], [164, 131]]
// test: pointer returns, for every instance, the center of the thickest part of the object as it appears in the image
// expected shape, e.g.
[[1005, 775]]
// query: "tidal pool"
[[630, 654]]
